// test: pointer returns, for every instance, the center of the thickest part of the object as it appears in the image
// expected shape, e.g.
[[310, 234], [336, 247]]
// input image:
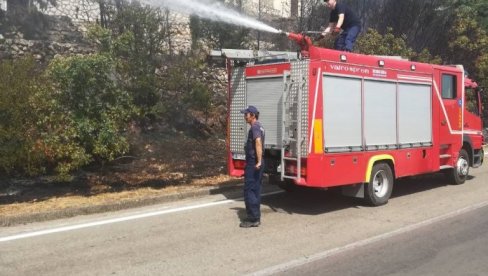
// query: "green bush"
[[136, 39], [19, 82], [183, 87], [199, 97], [95, 109], [373, 43], [36, 134], [79, 118]]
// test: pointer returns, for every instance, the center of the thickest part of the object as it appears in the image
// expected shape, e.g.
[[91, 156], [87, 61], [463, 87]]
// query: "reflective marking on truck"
[[317, 136], [373, 160], [415, 78], [319, 76], [444, 111]]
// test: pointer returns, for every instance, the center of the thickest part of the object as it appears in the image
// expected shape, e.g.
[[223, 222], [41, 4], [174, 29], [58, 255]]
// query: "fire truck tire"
[[378, 191], [460, 172]]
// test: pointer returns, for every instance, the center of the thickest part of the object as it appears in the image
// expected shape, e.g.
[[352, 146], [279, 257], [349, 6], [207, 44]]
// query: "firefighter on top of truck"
[[342, 17], [253, 172]]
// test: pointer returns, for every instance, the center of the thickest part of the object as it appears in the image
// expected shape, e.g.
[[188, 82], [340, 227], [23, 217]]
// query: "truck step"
[[290, 158], [290, 177], [443, 167], [445, 156]]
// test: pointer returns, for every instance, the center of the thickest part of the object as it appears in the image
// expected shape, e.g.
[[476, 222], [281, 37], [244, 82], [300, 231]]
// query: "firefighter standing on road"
[[253, 172], [342, 18]]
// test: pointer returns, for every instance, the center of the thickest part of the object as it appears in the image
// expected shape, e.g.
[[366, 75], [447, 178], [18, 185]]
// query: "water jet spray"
[[214, 11]]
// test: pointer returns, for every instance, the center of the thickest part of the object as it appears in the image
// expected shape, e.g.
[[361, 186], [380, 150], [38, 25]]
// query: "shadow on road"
[[417, 184], [310, 201]]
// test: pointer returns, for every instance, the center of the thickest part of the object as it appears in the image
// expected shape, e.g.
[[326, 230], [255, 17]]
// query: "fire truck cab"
[[335, 118]]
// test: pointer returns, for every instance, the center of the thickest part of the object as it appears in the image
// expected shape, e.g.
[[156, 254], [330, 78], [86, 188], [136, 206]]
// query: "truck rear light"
[[239, 164]]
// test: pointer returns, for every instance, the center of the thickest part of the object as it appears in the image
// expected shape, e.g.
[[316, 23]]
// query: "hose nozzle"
[[283, 33]]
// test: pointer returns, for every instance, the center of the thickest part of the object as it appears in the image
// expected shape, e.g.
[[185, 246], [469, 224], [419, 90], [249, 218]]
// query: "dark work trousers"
[[252, 190], [346, 40]]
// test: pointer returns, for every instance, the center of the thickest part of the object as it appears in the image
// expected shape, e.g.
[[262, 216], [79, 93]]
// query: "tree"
[[87, 112], [469, 46], [373, 43], [468, 43], [19, 82], [422, 22], [23, 7], [217, 34], [138, 39], [478, 10]]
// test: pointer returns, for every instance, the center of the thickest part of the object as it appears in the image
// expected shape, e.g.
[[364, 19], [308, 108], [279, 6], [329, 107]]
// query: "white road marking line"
[[121, 219], [331, 252]]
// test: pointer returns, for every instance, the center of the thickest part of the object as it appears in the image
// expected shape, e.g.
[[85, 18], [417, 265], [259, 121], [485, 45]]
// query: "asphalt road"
[[456, 246], [420, 231]]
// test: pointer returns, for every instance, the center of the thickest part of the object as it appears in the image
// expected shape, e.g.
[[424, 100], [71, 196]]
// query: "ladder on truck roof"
[[247, 55], [291, 126]]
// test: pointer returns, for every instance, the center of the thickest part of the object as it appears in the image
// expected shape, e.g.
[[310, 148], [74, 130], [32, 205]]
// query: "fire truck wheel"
[[459, 173], [378, 191]]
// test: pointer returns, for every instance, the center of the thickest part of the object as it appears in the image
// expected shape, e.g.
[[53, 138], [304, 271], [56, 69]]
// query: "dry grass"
[[159, 164]]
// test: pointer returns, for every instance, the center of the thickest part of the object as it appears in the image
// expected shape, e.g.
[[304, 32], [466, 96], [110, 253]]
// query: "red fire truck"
[[357, 121]]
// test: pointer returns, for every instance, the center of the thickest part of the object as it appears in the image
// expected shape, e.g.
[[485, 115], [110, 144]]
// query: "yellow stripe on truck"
[[373, 160], [317, 136]]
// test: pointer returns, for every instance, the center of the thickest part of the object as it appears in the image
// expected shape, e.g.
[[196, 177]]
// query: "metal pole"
[[259, 18]]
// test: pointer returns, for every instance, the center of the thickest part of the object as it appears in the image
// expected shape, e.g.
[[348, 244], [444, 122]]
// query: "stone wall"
[[41, 50], [81, 13], [76, 10], [85, 12], [61, 38], [68, 23]]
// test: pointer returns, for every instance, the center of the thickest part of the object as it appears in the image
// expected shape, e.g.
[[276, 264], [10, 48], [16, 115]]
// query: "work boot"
[[250, 223]]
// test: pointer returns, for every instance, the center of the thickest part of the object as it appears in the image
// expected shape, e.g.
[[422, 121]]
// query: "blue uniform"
[[351, 27], [253, 177]]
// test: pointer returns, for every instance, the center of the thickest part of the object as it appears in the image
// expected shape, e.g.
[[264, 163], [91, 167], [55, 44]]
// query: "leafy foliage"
[[136, 40], [61, 127], [182, 88], [373, 43], [469, 46], [19, 82], [95, 107], [468, 41]]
